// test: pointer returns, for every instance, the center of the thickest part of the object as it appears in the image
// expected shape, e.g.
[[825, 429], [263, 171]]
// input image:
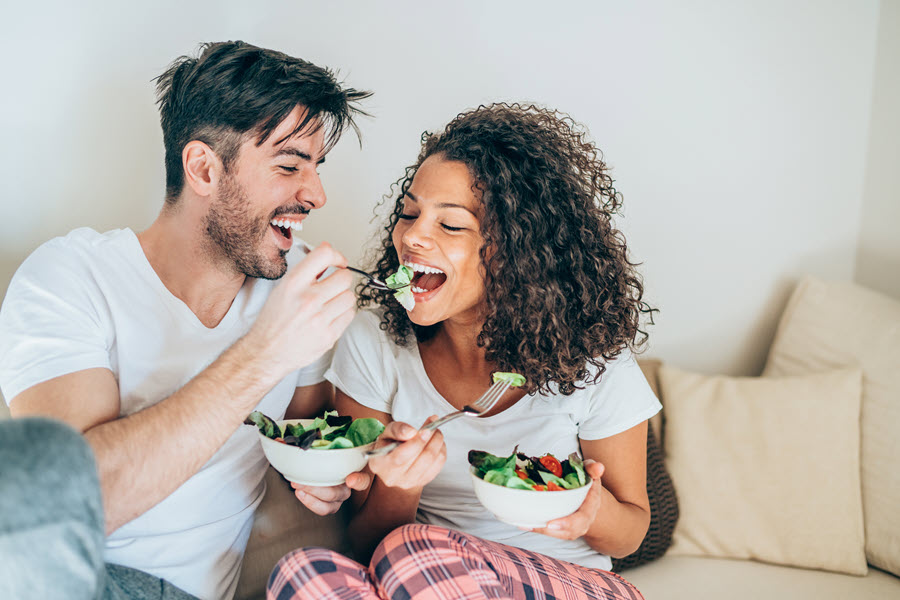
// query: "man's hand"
[[303, 316], [577, 524], [327, 500]]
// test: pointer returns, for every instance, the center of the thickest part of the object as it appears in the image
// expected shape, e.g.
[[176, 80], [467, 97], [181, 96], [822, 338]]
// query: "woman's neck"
[[456, 344]]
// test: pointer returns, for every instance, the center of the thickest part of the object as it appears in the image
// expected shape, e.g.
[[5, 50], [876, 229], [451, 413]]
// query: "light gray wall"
[[737, 130], [878, 259]]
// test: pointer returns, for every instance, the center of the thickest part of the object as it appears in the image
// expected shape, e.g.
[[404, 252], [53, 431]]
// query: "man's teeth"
[[422, 268], [295, 225]]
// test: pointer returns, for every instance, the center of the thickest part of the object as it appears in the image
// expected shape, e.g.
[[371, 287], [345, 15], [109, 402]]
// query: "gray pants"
[[51, 521]]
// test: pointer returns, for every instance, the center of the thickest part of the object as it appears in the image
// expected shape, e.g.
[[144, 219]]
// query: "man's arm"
[[144, 457]]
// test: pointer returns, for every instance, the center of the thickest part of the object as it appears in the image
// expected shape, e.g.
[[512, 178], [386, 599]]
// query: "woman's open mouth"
[[426, 281]]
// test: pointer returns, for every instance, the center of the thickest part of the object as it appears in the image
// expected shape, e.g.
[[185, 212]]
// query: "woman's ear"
[[202, 168]]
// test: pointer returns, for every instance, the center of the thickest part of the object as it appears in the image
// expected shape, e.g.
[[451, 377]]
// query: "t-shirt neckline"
[[173, 302], [422, 374]]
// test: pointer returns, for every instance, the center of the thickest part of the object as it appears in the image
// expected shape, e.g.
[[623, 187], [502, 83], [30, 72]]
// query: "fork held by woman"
[[485, 403]]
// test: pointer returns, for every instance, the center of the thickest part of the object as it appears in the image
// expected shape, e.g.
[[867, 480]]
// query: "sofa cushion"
[[697, 578], [828, 325], [281, 524], [767, 468]]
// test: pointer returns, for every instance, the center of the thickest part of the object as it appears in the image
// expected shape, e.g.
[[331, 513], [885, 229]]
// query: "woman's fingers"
[[579, 522], [417, 459]]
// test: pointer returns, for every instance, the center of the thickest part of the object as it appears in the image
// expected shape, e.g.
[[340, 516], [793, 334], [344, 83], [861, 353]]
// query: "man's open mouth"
[[285, 226], [426, 278]]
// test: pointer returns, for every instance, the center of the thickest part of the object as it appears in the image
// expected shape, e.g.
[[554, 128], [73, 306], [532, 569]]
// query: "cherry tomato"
[[551, 464], [521, 474], [554, 487], [539, 488]]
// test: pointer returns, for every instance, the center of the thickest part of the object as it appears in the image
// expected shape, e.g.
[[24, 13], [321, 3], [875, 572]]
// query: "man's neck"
[[174, 247]]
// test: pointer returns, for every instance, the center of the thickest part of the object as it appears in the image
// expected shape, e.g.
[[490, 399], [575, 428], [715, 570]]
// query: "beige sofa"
[[817, 310]]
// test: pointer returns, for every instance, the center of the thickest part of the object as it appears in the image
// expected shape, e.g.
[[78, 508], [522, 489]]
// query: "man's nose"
[[311, 194]]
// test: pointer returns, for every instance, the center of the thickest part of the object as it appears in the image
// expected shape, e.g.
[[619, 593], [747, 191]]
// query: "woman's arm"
[[616, 513], [399, 476]]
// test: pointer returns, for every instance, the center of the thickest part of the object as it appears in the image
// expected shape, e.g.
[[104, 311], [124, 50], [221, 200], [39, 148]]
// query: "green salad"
[[513, 379], [522, 472], [328, 432], [401, 282]]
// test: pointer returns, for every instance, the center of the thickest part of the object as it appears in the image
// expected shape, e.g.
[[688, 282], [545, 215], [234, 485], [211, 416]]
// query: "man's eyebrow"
[[289, 151], [445, 205]]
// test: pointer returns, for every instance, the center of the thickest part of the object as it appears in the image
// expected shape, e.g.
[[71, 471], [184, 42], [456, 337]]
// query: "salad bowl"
[[314, 466], [527, 508]]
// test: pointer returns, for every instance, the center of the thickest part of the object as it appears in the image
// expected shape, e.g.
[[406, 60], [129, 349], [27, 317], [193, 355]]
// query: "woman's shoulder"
[[365, 331]]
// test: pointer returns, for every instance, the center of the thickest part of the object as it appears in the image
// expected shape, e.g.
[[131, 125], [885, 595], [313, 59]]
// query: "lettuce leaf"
[[514, 379], [400, 281], [268, 427], [364, 431]]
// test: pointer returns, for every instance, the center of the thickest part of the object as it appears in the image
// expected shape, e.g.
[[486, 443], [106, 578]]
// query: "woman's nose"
[[417, 236]]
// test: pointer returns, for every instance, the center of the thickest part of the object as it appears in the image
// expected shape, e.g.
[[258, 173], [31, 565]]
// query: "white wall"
[[878, 258], [737, 130]]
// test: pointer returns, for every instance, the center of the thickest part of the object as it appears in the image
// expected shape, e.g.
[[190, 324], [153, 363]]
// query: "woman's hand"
[[327, 500], [577, 524], [415, 462]]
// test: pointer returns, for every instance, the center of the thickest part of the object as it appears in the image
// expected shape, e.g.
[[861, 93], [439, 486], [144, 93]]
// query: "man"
[[158, 345]]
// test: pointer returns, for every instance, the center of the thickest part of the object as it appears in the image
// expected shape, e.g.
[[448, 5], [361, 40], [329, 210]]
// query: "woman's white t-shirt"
[[381, 375]]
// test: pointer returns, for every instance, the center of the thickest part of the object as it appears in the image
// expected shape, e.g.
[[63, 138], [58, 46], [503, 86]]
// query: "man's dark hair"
[[234, 88]]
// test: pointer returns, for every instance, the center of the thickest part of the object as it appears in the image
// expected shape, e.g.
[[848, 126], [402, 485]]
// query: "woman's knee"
[[312, 572]]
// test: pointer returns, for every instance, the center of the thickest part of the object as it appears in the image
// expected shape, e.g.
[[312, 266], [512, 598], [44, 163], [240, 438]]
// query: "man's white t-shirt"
[[91, 300], [374, 371]]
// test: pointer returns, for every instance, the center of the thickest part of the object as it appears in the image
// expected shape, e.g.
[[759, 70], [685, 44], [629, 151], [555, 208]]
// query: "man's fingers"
[[317, 262], [338, 306], [316, 505], [359, 481], [334, 493]]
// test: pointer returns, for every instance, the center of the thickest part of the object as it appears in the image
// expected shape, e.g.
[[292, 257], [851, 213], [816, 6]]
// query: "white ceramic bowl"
[[313, 466], [527, 508]]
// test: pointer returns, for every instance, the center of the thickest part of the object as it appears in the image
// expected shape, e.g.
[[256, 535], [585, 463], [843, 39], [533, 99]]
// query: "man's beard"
[[238, 234]]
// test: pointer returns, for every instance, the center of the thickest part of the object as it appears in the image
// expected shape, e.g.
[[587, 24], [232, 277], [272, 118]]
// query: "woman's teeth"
[[422, 269], [288, 224], [416, 289]]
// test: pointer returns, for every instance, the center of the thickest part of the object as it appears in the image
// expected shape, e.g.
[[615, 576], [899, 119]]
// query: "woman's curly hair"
[[562, 295]]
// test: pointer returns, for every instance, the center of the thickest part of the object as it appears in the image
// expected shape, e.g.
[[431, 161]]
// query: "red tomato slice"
[[280, 440], [521, 474], [554, 487], [539, 488], [551, 464]]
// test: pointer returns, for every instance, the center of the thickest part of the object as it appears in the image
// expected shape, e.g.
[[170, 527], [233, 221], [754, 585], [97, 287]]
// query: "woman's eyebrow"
[[444, 204]]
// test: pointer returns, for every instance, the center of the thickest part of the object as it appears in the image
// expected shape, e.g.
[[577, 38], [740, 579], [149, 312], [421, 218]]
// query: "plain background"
[[753, 141]]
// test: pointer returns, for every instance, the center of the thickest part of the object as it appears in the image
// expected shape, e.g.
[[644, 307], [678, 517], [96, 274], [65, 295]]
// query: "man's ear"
[[202, 168]]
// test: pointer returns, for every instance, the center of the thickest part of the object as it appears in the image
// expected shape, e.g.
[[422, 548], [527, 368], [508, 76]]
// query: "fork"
[[375, 282], [485, 403]]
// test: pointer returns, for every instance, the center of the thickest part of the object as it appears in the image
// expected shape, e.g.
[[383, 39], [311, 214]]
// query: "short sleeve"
[[53, 320], [315, 372], [364, 364], [619, 401]]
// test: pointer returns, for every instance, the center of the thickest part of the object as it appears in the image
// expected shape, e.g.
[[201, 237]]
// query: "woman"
[[506, 219]]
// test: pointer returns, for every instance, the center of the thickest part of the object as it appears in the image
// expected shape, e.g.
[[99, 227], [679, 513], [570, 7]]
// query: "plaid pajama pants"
[[425, 562]]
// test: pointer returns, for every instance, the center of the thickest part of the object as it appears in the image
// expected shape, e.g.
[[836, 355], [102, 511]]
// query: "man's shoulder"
[[71, 261], [83, 244]]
